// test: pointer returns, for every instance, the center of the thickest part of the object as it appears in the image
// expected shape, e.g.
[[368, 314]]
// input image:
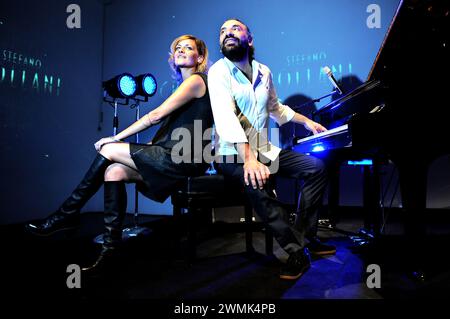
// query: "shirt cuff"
[[283, 115]]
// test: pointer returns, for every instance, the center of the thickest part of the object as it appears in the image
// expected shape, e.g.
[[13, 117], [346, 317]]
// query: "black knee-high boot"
[[67, 215], [115, 208]]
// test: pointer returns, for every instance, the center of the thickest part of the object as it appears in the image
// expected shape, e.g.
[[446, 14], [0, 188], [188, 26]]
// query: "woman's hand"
[[106, 140]]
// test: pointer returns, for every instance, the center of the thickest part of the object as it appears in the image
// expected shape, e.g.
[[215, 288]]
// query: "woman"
[[155, 168]]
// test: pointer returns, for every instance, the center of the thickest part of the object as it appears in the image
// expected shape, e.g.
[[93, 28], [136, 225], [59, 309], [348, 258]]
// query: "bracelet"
[[149, 120]]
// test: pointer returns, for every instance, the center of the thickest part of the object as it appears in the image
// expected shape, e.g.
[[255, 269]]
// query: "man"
[[242, 99]]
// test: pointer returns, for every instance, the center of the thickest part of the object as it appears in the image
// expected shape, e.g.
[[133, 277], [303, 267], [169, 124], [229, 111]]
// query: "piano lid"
[[369, 76], [416, 46], [360, 90]]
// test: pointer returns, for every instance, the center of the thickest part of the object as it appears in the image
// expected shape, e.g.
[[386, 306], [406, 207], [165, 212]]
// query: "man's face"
[[234, 40]]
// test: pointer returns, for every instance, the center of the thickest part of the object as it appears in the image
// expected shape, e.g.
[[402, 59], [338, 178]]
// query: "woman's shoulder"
[[198, 79], [195, 79], [195, 84], [202, 75]]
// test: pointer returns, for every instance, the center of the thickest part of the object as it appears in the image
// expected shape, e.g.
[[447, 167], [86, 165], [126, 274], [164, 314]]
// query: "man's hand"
[[314, 127], [256, 172]]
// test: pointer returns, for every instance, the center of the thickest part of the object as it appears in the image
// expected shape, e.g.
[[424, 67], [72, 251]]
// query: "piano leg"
[[371, 199], [413, 187], [333, 192]]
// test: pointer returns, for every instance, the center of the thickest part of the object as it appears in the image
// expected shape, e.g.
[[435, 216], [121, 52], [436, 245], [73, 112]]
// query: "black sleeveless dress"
[[176, 151]]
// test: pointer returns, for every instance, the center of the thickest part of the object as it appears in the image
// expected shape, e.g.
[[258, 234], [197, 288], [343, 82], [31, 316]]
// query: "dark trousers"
[[271, 211], [311, 170]]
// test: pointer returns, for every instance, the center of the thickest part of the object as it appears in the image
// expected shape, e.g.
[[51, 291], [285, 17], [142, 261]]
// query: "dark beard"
[[236, 53]]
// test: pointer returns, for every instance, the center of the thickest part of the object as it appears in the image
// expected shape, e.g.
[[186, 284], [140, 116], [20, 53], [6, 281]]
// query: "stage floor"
[[154, 267]]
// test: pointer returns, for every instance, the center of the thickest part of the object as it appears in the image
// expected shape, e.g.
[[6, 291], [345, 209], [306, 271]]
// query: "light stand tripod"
[[136, 230]]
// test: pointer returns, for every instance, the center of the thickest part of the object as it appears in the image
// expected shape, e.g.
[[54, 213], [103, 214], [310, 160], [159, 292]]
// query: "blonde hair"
[[201, 48]]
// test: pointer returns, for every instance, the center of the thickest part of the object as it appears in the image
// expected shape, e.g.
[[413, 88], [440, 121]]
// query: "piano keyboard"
[[337, 137]]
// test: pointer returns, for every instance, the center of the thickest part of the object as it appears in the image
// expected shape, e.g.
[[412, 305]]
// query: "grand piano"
[[398, 113]]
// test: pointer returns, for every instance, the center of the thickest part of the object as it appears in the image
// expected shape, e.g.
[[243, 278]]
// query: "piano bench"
[[199, 195]]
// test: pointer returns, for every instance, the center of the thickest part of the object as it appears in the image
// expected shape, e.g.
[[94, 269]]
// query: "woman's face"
[[186, 54]]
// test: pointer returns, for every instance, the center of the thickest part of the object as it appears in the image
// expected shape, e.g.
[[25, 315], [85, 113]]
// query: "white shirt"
[[241, 109]]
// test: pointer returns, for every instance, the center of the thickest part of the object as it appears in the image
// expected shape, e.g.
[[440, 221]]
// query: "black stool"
[[213, 191]]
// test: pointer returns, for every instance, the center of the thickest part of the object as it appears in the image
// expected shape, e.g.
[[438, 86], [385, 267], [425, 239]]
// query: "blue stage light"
[[127, 85], [149, 85], [361, 162], [318, 148], [146, 85], [121, 86]]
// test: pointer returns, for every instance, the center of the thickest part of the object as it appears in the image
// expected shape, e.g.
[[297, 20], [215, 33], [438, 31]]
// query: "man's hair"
[[251, 50], [201, 48]]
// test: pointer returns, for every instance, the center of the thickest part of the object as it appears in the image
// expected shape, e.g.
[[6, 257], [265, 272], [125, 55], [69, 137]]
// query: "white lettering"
[[74, 19], [374, 19]]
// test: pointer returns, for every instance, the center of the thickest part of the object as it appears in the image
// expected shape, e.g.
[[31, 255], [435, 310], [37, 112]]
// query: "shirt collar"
[[256, 70]]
